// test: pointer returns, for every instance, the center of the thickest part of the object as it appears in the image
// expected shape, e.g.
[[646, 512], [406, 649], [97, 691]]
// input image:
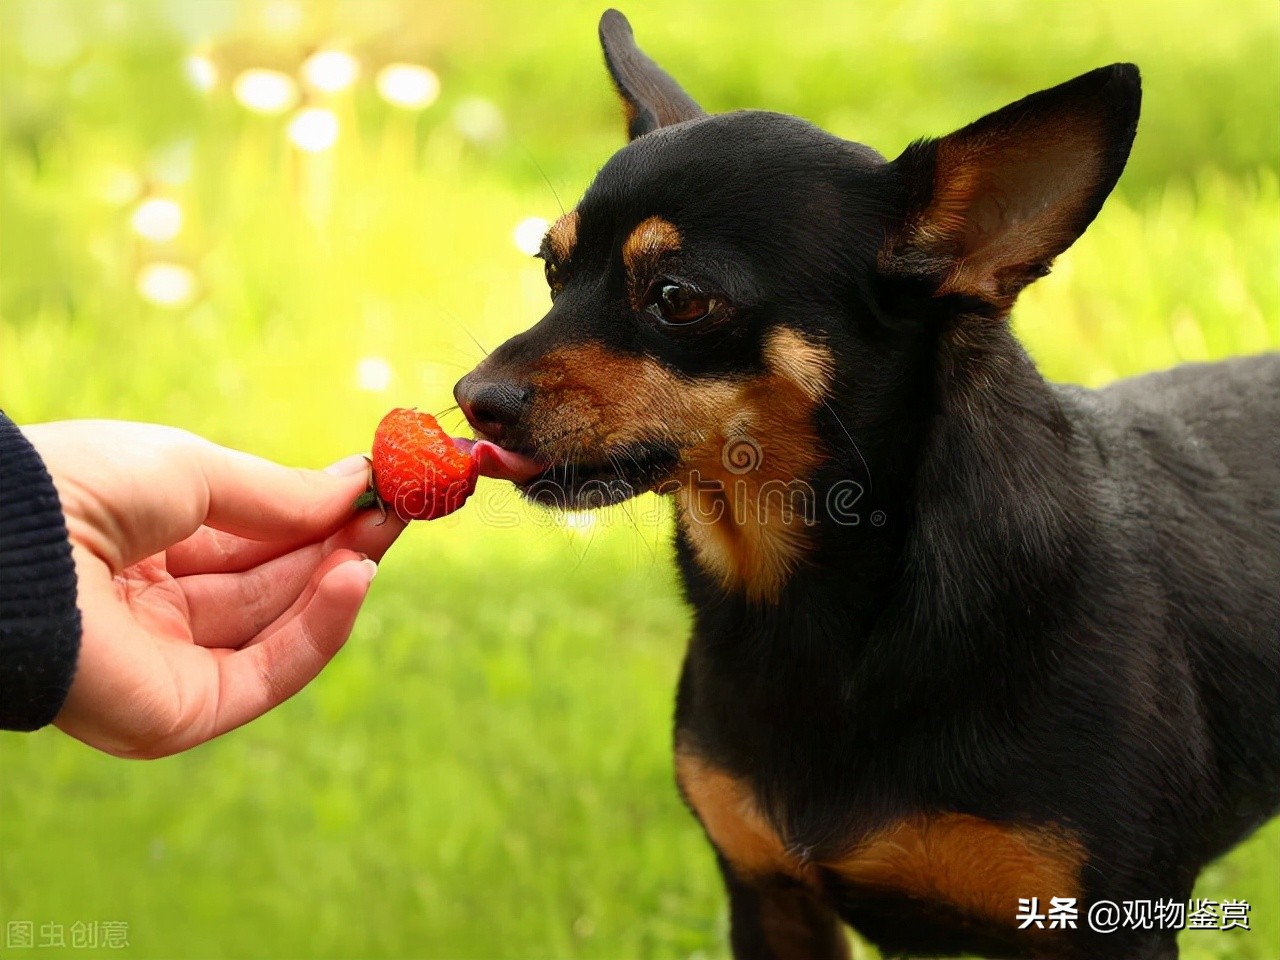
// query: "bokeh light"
[[166, 284], [578, 522], [330, 71], [157, 219], [408, 85], [314, 129], [480, 120], [265, 91], [528, 234], [202, 72], [373, 374]]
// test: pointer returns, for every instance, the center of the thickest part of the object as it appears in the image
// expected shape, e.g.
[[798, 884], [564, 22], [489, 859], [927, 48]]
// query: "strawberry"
[[419, 471]]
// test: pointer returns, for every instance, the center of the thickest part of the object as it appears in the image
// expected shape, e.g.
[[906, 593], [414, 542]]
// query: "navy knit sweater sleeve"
[[39, 622]]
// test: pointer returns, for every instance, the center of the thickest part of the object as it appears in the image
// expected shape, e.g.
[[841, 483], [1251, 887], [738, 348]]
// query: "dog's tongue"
[[494, 461]]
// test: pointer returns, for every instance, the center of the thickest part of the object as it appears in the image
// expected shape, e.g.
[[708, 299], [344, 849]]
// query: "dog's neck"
[[999, 500], [970, 496]]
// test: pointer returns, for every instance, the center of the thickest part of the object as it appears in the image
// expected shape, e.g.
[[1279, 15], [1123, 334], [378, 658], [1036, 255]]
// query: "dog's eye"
[[555, 278], [681, 305]]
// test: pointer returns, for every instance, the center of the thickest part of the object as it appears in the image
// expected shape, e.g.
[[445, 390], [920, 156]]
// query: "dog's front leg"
[[777, 918]]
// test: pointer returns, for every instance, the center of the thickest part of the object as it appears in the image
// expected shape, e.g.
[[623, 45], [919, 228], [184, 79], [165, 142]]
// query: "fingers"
[[228, 609], [212, 551], [369, 534], [261, 500], [172, 484], [138, 694], [290, 654], [131, 490], [287, 539]]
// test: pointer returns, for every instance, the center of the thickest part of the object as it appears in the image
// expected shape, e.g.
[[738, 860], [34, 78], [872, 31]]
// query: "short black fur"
[[1059, 608]]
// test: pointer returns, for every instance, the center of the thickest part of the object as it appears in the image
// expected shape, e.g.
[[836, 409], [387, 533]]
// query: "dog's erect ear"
[[650, 97], [991, 205]]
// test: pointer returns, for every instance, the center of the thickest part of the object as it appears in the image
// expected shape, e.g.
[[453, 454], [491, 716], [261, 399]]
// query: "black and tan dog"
[[963, 637]]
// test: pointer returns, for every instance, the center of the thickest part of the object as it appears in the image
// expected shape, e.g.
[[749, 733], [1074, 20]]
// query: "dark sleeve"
[[39, 622]]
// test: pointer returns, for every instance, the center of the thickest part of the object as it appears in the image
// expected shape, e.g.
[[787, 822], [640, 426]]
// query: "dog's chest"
[[977, 867]]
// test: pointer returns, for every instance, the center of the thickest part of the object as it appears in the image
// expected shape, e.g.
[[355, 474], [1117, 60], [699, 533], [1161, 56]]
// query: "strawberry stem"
[[370, 497]]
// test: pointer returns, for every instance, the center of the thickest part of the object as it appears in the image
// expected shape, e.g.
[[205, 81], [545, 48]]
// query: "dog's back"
[[1191, 457]]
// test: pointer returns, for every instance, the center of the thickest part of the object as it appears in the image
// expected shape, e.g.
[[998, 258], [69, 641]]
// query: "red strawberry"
[[419, 471]]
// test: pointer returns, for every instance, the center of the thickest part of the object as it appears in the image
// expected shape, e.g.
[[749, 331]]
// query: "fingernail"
[[370, 567], [348, 466]]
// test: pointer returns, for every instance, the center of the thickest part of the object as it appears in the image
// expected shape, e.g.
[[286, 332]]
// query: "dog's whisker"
[[480, 346], [852, 442], [542, 173]]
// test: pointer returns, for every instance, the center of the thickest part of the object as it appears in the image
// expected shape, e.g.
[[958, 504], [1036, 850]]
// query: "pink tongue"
[[493, 461]]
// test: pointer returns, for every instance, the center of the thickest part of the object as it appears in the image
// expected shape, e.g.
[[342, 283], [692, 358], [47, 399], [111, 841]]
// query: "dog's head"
[[745, 300]]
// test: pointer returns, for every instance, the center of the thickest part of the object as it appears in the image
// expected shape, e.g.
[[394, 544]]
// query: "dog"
[[970, 648]]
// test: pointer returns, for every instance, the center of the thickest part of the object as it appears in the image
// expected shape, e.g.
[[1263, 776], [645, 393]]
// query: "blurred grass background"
[[484, 771]]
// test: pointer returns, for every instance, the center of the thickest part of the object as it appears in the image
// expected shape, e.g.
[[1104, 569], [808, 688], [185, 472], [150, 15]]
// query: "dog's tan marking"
[[563, 236], [756, 534], [747, 507], [628, 112], [805, 364], [980, 867], [747, 446], [732, 542], [588, 397], [728, 813], [649, 240]]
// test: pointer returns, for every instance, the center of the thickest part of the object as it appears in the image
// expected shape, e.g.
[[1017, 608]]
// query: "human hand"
[[213, 585]]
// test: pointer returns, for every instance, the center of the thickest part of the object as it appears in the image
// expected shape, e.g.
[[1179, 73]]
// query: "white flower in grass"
[[265, 91], [166, 284], [314, 129], [408, 85], [330, 71], [157, 219]]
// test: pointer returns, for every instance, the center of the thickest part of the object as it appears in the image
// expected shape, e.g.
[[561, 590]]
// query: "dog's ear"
[[650, 98], [991, 205]]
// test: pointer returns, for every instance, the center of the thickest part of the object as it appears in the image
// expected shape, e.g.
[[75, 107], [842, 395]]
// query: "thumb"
[[131, 490]]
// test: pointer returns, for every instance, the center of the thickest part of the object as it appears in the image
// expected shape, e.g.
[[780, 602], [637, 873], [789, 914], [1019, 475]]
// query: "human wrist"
[[39, 620]]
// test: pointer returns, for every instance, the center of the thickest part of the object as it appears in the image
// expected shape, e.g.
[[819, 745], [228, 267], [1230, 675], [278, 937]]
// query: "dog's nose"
[[491, 407]]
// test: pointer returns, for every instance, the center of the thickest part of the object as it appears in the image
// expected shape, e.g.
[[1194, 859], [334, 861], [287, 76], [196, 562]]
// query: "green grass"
[[484, 771]]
